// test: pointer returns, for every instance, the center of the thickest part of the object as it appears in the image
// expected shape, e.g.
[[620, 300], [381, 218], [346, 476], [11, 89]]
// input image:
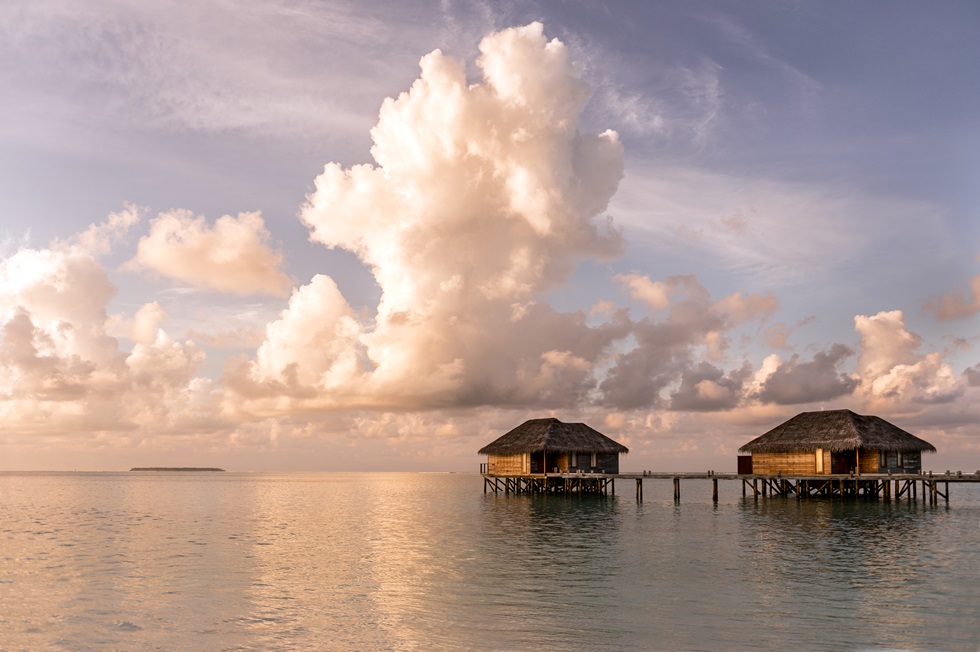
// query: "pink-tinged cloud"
[[957, 305], [668, 350], [60, 370], [892, 370], [232, 255], [706, 388], [483, 197]]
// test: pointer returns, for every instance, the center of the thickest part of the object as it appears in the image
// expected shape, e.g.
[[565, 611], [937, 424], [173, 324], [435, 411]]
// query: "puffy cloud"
[[231, 256], [60, 370], [483, 197], [666, 349], [957, 305], [707, 388], [141, 328], [891, 368], [794, 382], [656, 294], [98, 239]]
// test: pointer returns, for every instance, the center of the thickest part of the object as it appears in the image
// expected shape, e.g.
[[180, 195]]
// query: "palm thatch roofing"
[[553, 435], [836, 430]]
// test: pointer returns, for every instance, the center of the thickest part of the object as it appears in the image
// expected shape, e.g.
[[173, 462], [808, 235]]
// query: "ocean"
[[411, 561]]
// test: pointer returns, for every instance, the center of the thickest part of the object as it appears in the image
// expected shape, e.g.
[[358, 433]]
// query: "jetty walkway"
[[868, 485]]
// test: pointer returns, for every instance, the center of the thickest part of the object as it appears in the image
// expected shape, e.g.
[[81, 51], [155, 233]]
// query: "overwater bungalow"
[[552, 446], [833, 441]]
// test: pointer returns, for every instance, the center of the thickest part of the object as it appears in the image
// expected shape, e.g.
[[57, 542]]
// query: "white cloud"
[[98, 239], [894, 372], [483, 197], [233, 255], [60, 370]]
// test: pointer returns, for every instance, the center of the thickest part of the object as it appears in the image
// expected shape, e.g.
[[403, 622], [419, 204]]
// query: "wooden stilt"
[[714, 490], [677, 489]]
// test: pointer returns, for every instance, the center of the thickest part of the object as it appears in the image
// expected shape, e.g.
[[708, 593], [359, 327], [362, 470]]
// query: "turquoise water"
[[165, 561]]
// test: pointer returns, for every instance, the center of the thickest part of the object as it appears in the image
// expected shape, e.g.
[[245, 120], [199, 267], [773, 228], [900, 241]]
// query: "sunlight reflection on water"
[[427, 561]]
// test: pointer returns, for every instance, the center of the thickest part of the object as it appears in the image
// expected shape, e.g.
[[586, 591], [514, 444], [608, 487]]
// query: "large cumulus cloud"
[[483, 197]]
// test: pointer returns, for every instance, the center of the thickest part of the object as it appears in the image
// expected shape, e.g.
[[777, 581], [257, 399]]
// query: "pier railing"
[[868, 485]]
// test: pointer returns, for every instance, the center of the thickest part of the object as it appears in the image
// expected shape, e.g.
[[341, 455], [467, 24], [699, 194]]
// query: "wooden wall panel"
[[786, 463], [868, 460], [506, 464]]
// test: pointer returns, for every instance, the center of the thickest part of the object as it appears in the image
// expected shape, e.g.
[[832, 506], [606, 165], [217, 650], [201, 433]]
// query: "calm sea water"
[[167, 561]]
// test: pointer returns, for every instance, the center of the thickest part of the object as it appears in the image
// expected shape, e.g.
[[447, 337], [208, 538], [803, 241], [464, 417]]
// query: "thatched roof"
[[552, 435], [835, 430]]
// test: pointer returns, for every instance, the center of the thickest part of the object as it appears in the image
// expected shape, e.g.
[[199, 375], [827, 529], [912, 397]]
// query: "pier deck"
[[872, 485]]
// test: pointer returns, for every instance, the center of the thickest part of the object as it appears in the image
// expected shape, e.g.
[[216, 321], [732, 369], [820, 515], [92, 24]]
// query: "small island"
[[175, 468]]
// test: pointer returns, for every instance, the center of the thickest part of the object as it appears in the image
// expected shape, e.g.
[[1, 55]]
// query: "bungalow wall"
[[523, 463], [802, 463], [910, 462], [809, 463], [605, 462], [507, 464], [868, 461]]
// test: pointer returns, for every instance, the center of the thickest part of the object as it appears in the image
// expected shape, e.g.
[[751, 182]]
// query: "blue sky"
[[794, 228]]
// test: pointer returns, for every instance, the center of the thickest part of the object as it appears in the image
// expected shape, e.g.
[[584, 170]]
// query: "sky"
[[335, 236]]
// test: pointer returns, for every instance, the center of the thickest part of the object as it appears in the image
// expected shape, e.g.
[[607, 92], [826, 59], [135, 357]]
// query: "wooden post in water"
[[677, 489], [755, 487], [947, 492], [714, 489], [639, 489]]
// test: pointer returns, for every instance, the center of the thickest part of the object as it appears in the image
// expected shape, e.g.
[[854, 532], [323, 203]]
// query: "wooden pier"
[[878, 486]]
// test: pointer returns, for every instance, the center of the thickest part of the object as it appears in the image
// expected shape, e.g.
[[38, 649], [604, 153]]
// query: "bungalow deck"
[[872, 486]]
